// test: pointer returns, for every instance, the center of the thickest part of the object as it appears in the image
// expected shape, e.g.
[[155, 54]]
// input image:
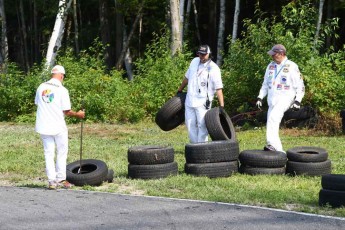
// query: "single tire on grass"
[[333, 198], [211, 152], [93, 172], [219, 125], [152, 171], [150, 154], [172, 113]]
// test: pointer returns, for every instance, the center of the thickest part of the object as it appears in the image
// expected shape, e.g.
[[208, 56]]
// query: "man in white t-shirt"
[[53, 104], [203, 78]]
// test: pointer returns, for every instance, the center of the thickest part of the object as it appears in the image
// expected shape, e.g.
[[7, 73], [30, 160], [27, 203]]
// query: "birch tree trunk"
[[235, 24], [24, 36], [76, 31], [181, 12], [4, 42], [318, 25], [176, 44], [196, 22], [57, 35], [221, 28]]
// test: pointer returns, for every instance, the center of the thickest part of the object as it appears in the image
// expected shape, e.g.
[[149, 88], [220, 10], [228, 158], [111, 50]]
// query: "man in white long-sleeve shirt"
[[284, 87]]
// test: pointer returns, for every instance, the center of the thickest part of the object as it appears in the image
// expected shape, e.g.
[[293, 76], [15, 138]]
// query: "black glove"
[[178, 93], [296, 106]]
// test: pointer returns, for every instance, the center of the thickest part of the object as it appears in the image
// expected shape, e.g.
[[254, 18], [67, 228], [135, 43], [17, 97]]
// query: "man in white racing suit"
[[203, 78], [284, 87]]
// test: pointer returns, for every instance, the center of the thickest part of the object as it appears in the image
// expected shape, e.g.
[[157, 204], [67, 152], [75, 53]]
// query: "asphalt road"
[[30, 208]]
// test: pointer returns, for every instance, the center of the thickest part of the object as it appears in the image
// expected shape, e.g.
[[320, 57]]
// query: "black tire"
[[307, 154], [304, 112], [333, 182], [264, 159], [308, 168], [212, 170], [152, 171], [150, 154], [333, 198], [342, 113], [219, 125], [211, 152], [93, 172], [110, 176], [172, 113], [245, 169]]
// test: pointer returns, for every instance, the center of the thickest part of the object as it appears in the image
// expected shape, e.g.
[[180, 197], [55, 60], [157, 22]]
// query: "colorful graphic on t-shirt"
[[47, 96]]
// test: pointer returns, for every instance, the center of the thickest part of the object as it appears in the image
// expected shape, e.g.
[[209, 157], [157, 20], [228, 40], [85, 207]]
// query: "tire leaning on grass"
[[152, 171], [93, 172], [172, 113], [219, 125], [212, 170], [150, 154], [110, 176], [211, 152]]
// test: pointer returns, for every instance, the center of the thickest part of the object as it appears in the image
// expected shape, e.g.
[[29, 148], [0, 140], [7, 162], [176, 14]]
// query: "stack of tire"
[[308, 160], [151, 162], [254, 162], [90, 172], [219, 157], [172, 113], [333, 190], [212, 159]]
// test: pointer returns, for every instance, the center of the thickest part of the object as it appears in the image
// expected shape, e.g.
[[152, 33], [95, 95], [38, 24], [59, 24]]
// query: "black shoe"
[[269, 148]]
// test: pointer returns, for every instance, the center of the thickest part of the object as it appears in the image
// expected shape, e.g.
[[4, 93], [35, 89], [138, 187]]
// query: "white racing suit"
[[283, 84], [203, 81]]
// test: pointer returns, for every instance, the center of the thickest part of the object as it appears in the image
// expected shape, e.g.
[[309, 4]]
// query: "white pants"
[[195, 122], [274, 117], [55, 172]]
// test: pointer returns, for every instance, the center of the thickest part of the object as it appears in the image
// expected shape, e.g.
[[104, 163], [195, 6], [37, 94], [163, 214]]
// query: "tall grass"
[[22, 164]]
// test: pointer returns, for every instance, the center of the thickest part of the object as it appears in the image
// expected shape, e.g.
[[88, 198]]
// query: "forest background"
[[124, 59]]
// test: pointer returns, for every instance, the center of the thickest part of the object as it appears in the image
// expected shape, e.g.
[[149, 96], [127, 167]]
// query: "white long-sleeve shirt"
[[282, 82]]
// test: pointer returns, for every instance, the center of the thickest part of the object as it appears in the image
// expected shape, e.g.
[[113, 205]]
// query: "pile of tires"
[[333, 190], [172, 113], [219, 125], [306, 116], [255, 162], [342, 115], [212, 159], [151, 162], [91, 172], [308, 160]]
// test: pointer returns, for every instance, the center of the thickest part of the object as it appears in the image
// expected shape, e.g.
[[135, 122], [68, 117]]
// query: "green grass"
[[22, 164]]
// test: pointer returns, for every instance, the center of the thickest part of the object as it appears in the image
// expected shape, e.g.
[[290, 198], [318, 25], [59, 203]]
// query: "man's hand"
[[259, 103], [296, 106], [178, 93]]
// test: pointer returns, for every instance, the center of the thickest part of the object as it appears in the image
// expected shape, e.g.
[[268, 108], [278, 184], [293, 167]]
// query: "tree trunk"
[[186, 24], [181, 12], [105, 31], [221, 28], [235, 24], [36, 38], [175, 27], [119, 28], [126, 44], [76, 31], [196, 22], [57, 35], [318, 25], [4, 43], [24, 36], [127, 59]]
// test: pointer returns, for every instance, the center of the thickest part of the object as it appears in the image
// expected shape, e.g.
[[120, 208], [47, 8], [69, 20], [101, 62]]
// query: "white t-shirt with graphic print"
[[52, 98]]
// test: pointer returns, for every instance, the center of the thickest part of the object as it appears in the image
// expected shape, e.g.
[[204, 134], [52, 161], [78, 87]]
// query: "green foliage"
[[323, 73]]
